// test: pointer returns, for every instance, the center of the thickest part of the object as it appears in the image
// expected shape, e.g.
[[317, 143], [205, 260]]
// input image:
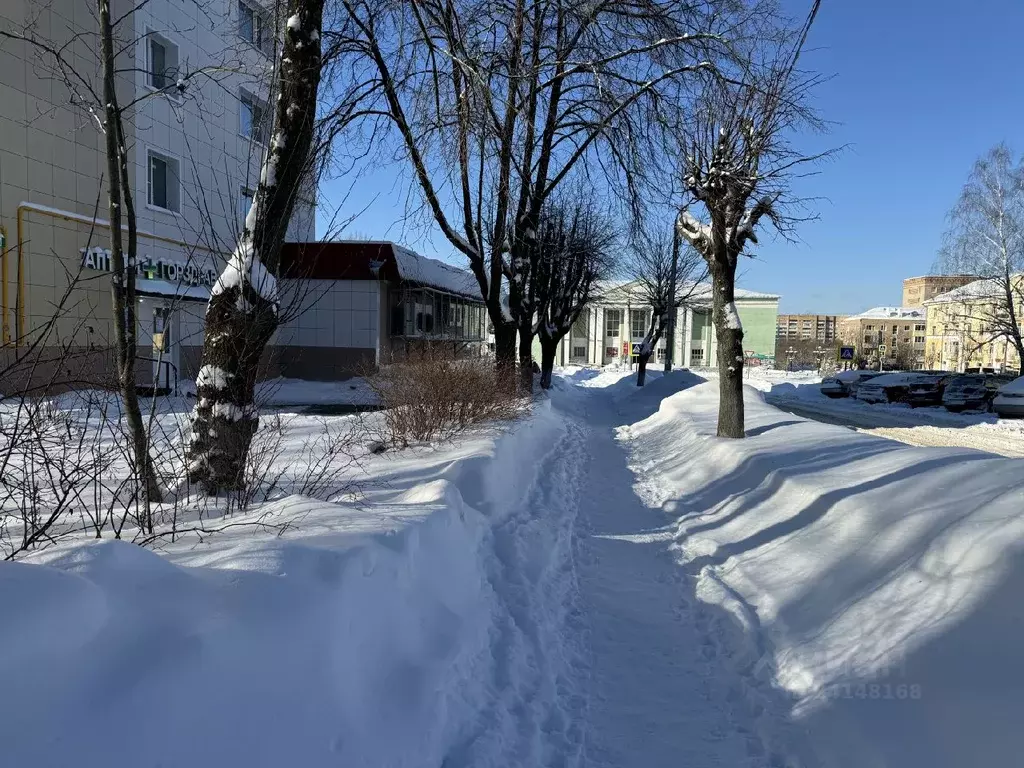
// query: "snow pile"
[[868, 592], [371, 635], [284, 392]]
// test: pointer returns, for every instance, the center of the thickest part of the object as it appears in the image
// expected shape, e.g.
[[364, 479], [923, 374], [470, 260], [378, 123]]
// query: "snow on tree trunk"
[[729, 333], [243, 311]]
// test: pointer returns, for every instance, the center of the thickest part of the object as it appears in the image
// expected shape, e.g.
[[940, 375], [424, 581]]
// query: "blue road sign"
[[846, 353]]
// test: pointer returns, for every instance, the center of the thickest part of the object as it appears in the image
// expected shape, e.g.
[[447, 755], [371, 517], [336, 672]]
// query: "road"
[[907, 428]]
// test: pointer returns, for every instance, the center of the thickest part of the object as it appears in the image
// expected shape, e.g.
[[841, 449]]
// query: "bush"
[[434, 397]]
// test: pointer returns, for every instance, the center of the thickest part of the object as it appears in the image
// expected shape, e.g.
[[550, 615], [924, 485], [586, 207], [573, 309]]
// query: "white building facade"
[[620, 317], [194, 80]]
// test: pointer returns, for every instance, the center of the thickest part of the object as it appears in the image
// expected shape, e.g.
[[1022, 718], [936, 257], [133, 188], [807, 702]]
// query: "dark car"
[[972, 392], [928, 390]]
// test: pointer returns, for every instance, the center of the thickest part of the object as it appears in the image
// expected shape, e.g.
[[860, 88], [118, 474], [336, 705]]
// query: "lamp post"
[[820, 353], [790, 356]]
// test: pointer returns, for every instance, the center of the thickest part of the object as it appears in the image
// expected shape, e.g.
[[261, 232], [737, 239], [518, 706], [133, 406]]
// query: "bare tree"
[[666, 274], [737, 161], [573, 250], [497, 105], [244, 306], [986, 238]]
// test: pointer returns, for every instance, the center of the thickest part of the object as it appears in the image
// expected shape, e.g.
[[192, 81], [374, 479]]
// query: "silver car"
[[845, 383], [1009, 400]]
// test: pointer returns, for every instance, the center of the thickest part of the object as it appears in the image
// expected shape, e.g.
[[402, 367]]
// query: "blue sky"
[[920, 89]]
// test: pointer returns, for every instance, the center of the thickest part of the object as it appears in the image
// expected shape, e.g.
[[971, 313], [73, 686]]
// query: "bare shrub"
[[435, 396]]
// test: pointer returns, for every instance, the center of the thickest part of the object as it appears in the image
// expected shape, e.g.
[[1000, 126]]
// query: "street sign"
[[846, 353], [636, 349], [881, 347], [625, 349]]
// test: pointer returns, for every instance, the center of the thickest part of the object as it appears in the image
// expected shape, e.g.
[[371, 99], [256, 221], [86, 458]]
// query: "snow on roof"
[[979, 289], [899, 377], [700, 293], [1016, 386], [434, 273], [882, 313]]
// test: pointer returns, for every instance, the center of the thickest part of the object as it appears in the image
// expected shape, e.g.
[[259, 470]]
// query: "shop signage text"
[[152, 269]]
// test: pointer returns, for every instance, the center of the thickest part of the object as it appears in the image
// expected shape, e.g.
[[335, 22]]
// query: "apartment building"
[[821, 328], [894, 336], [918, 290], [197, 78], [621, 316], [962, 329]]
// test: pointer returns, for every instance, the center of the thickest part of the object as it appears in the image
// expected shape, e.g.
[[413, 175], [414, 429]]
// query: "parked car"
[[892, 387], [1009, 400], [972, 391], [928, 390], [845, 383]]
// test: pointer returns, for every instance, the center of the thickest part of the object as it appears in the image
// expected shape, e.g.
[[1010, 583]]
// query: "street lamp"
[[790, 355], [820, 353]]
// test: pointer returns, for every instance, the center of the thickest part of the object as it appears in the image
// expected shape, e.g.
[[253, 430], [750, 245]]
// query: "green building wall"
[[759, 327]]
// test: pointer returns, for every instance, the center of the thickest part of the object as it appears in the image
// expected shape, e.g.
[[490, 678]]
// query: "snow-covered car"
[[972, 391], [1009, 400], [845, 383], [892, 387], [928, 390]]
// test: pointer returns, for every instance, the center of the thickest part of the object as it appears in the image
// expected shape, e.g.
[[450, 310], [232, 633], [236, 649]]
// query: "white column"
[[685, 337]]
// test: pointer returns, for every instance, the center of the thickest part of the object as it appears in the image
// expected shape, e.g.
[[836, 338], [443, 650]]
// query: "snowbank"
[[362, 636], [874, 587]]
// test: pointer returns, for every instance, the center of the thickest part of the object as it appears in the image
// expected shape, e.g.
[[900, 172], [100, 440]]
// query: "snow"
[[885, 313], [434, 273], [732, 317], [604, 583], [987, 288], [245, 261], [287, 392], [294, 23], [212, 376], [1016, 386], [831, 562]]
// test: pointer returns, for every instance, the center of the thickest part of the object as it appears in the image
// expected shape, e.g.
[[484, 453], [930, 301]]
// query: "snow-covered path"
[[657, 694]]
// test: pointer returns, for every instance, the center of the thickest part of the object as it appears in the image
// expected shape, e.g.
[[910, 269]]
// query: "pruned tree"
[[665, 273], [737, 160], [573, 250], [985, 237], [497, 105], [244, 305]]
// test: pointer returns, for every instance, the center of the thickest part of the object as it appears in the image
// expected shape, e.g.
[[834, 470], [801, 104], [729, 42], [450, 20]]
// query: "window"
[[919, 339], [661, 354], [579, 352], [918, 327], [638, 323], [254, 27], [612, 321], [245, 203], [252, 117], [161, 62], [906, 327], [696, 355], [869, 327], [164, 187]]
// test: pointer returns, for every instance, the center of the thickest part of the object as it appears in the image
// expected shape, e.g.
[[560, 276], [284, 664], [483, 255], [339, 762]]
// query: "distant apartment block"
[[887, 333], [823, 328], [918, 290]]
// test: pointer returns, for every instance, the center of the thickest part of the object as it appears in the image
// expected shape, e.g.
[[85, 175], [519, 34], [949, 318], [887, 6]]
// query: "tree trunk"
[[123, 277], [243, 310], [526, 360], [729, 333], [548, 349], [641, 368], [505, 353]]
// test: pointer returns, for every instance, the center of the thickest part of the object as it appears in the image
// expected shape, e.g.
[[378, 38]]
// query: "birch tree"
[[666, 272], [496, 106], [573, 250], [244, 305], [737, 161], [985, 237]]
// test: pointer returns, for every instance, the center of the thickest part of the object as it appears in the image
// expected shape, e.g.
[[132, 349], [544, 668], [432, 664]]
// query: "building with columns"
[[621, 316]]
